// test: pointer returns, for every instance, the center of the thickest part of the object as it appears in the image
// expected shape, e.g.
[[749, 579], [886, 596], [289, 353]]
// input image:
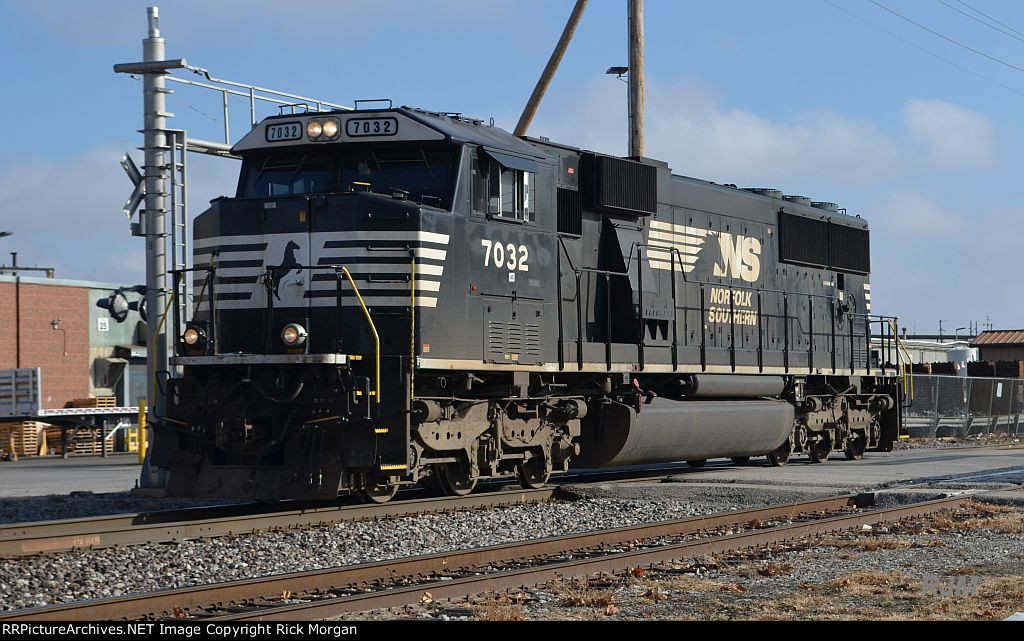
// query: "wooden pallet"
[[20, 439], [95, 401], [52, 440]]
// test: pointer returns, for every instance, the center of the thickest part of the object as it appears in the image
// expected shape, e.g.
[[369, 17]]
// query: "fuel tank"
[[665, 431]]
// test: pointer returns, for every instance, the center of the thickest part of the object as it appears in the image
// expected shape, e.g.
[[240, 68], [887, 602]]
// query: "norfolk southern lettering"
[[396, 297]]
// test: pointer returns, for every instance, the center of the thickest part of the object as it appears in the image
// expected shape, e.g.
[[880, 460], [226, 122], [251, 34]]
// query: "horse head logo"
[[287, 264]]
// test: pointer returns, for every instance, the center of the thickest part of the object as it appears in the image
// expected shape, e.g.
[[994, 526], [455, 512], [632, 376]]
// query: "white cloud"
[[686, 126], [67, 213], [949, 134], [909, 212]]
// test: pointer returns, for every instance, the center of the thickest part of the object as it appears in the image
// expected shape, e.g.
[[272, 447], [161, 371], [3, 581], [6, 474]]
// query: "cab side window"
[[502, 191]]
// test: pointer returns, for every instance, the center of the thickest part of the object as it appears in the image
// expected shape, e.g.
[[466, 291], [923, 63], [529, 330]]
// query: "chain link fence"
[[958, 406]]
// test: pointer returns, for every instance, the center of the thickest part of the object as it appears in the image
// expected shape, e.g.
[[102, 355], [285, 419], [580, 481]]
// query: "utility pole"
[[549, 71], [155, 213], [637, 144], [155, 170]]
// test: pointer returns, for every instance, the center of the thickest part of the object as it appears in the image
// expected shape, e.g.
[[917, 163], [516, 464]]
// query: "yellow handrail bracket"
[[373, 328], [907, 364]]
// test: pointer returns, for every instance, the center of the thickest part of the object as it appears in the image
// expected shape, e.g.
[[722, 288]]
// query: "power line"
[[980, 21], [927, 51], [945, 37], [982, 13]]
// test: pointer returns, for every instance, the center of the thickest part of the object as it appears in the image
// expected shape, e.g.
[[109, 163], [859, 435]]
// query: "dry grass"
[[1001, 519], [579, 593], [774, 569], [868, 544], [501, 608], [874, 583]]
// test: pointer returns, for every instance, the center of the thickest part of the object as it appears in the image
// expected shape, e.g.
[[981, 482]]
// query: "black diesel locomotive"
[[397, 296]]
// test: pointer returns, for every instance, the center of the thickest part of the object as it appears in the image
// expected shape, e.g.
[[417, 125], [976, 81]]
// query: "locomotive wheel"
[[378, 491], [455, 478], [854, 449], [697, 463], [535, 472], [820, 449], [740, 460], [780, 455]]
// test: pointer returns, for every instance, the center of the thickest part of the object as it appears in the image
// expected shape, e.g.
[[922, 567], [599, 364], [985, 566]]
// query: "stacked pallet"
[[86, 440], [94, 401], [52, 440], [20, 439]]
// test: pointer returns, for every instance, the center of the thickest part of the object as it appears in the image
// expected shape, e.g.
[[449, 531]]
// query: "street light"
[[617, 71], [4, 234]]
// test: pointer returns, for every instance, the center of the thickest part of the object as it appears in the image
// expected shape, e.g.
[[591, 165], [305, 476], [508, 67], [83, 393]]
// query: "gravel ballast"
[[875, 573], [82, 574]]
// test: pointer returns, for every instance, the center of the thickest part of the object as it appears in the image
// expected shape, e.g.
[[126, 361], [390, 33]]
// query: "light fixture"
[[293, 335], [331, 128], [194, 336]]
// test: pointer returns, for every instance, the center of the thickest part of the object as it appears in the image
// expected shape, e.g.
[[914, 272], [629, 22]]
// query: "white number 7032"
[[506, 255]]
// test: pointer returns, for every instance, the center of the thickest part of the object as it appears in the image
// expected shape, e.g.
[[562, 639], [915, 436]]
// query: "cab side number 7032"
[[506, 255]]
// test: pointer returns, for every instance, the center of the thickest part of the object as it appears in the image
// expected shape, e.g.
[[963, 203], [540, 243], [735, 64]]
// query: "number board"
[[358, 127], [284, 131]]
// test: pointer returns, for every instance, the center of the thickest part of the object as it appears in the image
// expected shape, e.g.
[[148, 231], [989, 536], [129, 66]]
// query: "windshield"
[[424, 174]]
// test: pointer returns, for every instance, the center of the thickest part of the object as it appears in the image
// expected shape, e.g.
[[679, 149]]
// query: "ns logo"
[[740, 257]]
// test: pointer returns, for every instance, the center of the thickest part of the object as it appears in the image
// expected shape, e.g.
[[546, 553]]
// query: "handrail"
[[373, 328], [908, 364], [636, 252], [412, 326]]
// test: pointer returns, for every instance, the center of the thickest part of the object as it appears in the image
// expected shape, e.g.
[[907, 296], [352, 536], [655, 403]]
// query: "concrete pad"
[[876, 470], [52, 475]]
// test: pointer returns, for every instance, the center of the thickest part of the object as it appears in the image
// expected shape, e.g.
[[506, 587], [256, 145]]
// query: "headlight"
[[193, 336], [314, 129], [331, 127], [293, 335]]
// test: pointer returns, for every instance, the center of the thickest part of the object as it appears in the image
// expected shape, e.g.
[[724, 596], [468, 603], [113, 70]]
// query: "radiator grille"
[[803, 240], [850, 249], [570, 212]]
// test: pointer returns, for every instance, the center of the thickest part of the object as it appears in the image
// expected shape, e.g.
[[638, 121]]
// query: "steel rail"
[[222, 595], [22, 539], [610, 563]]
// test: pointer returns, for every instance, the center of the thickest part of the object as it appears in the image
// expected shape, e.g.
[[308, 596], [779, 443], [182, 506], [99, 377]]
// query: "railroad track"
[[24, 539], [336, 591]]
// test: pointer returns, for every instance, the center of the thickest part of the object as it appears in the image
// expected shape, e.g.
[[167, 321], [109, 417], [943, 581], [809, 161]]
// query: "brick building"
[[55, 325]]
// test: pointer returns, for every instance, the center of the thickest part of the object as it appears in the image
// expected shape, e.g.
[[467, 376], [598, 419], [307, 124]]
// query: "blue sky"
[[798, 95]]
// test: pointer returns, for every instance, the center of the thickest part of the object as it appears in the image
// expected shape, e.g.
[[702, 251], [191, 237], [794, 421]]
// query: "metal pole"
[[155, 172], [637, 145], [549, 71]]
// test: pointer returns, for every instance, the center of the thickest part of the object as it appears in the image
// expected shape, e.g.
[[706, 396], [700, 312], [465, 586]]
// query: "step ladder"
[[179, 245]]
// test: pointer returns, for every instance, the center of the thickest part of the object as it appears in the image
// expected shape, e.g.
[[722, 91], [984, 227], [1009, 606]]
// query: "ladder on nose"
[[179, 246]]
